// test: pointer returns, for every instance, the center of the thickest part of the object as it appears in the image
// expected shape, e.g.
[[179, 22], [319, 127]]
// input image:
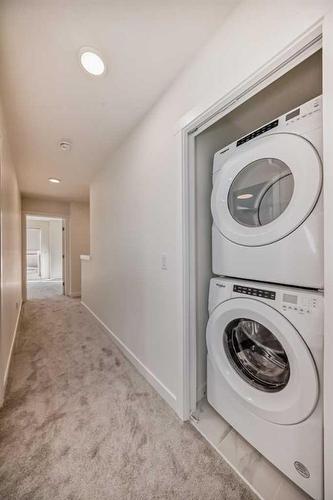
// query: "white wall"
[[43, 226], [79, 242], [51, 246], [55, 246], [33, 239], [136, 200], [10, 290]]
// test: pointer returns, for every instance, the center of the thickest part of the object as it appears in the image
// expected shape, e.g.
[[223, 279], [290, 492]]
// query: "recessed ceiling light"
[[245, 196], [54, 180], [92, 62]]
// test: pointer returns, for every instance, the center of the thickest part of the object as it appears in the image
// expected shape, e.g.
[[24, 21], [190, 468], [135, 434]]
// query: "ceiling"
[[48, 97]]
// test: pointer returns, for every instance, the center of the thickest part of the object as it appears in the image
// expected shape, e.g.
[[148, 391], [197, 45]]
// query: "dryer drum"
[[256, 355], [261, 192]]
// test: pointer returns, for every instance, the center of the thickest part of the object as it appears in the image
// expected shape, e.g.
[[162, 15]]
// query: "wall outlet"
[[164, 262]]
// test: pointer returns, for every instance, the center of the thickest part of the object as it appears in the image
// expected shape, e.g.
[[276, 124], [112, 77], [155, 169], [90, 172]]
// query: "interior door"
[[266, 189], [263, 359]]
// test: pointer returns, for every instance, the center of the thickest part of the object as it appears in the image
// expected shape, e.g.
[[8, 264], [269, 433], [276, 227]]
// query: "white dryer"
[[267, 202], [265, 357]]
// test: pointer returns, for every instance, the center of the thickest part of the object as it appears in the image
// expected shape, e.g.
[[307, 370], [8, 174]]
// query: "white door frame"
[[188, 128], [66, 269], [328, 249]]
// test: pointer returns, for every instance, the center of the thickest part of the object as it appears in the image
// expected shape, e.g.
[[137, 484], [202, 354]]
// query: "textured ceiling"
[[48, 97]]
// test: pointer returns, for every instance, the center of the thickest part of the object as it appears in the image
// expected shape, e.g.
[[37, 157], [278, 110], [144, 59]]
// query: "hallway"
[[79, 422]]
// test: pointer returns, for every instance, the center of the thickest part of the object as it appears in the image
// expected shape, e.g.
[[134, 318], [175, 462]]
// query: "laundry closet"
[[302, 85]]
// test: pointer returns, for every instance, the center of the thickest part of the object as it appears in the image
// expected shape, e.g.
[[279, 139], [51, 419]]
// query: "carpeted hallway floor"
[[80, 423]]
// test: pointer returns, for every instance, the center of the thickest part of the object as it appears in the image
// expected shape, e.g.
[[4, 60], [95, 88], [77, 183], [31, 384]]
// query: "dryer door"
[[264, 360], [266, 189]]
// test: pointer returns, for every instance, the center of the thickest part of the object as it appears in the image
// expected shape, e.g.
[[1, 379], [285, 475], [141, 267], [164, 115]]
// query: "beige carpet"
[[79, 422]]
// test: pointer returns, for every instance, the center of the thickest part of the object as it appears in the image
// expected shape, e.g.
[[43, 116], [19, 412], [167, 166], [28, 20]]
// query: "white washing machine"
[[264, 372], [267, 203]]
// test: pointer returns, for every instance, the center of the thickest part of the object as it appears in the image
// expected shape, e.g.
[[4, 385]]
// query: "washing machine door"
[[263, 359], [266, 189]]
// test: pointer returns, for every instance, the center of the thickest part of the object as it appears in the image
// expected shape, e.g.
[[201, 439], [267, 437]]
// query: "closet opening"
[[299, 85]]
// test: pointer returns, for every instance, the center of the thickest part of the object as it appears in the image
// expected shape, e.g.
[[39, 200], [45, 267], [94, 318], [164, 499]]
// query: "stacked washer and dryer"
[[265, 329]]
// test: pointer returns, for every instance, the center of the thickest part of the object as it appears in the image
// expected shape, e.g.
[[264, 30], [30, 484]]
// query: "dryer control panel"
[[257, 132]]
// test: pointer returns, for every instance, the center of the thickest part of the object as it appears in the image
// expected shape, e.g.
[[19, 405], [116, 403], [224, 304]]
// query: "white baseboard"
[[5, 379], [75, 295], [163, 391]]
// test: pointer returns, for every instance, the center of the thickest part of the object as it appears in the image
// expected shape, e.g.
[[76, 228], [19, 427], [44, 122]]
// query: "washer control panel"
[[303, 304], [256, 292]]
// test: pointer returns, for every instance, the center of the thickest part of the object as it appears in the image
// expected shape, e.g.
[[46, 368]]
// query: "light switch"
[[164, 262]]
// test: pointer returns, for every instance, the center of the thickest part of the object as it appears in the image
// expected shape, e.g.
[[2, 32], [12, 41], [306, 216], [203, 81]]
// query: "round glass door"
[[260, 357], [256, 355], [259, 195], [261, 192]]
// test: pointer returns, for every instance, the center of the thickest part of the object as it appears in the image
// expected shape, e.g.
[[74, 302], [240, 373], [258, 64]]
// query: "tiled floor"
[[266, 480]]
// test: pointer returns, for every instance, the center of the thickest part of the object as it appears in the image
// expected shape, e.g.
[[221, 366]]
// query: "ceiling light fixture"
[[92, 62], [245, 196], [54, 180], [65, 145]]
